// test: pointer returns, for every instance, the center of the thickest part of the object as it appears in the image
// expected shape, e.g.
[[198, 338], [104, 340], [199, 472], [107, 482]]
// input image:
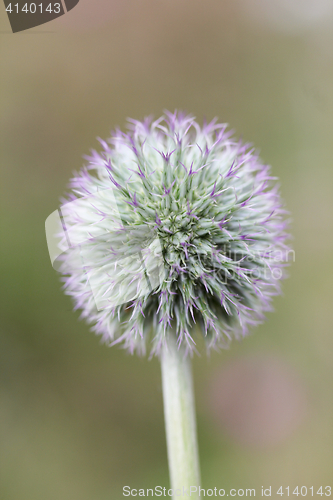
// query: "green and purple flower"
[[175, 229]]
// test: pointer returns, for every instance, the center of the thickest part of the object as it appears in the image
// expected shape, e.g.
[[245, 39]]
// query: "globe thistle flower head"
[[178, 229]]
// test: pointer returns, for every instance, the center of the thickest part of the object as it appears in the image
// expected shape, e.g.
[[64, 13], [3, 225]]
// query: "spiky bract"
[[217, 214]]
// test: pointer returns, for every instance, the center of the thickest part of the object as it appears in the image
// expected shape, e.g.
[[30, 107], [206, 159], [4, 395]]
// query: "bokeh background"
[[80, 420]]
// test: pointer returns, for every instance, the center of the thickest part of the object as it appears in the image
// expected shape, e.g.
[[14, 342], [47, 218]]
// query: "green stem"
[[180, 422]]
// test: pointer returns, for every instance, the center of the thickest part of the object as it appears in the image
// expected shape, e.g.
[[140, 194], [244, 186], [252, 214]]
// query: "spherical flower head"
[[186, 233]]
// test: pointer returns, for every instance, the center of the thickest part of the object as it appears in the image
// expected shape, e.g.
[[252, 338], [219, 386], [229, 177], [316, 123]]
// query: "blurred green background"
[[80, 420]]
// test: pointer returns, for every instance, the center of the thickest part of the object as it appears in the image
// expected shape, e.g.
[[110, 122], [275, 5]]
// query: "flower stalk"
[[180, 421]]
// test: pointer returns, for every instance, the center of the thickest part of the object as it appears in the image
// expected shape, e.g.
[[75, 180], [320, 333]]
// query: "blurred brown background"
[[79, 420]]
